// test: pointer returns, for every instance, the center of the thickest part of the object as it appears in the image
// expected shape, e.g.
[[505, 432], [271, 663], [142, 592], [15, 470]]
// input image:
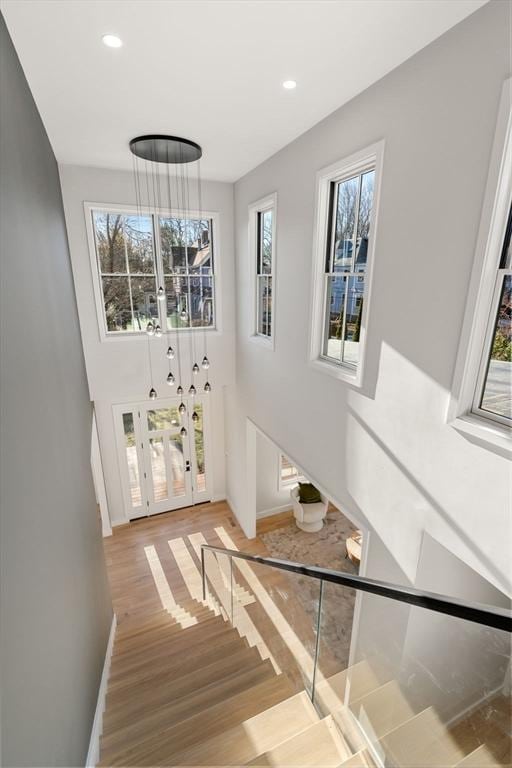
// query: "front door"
[[161, 468]]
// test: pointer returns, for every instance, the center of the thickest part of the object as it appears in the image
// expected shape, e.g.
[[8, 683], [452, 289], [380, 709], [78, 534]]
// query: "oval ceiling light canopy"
[[289, 85], [112, 41], [165, 149]]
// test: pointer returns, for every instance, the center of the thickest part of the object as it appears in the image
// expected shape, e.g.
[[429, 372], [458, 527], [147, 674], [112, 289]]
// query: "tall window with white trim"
[[350, 208], [344, 246], [493, 397], [264, 272]]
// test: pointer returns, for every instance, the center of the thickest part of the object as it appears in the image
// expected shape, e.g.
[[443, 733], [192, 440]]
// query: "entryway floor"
[[154, 563]]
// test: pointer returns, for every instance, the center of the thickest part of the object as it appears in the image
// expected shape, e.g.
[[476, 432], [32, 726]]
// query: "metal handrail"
[[489, 616]]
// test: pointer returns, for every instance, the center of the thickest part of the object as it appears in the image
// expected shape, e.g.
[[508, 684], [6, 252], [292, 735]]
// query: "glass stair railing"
[[398, 677]]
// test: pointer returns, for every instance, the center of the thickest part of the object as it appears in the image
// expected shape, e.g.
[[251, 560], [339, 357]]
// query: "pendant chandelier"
[[171, 191]]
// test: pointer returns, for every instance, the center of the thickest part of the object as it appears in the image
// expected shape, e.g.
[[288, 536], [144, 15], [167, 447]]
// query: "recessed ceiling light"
[[289, 85], [112, 41]]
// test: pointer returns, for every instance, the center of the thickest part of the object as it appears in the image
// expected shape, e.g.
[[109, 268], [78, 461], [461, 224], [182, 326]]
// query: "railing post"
[[203, 573], [317, 641]]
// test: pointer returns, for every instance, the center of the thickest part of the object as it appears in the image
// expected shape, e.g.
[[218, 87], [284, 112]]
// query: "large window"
[[344, 246], [494, 390], [262, 252], [137, 254]]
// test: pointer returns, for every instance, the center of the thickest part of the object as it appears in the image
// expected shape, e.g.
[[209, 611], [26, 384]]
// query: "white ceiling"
[[209, 70]]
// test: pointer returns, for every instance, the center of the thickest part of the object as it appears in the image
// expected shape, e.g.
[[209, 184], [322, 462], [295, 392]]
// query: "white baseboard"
[[93, 754], [274, 511]]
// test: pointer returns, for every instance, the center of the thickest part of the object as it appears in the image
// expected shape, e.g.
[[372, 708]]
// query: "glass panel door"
[[161, 469], [167, 456]]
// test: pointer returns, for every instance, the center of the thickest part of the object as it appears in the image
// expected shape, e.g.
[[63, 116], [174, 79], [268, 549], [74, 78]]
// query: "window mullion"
[[356, 224], [159, 270], [128, 277]]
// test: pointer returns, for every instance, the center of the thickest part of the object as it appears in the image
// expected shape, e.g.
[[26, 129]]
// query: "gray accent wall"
[[55, 605]]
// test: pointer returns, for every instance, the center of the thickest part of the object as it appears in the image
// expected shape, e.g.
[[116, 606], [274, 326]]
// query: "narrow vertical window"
[[344, 248], [262, 259], [351, 202], [264, 272]]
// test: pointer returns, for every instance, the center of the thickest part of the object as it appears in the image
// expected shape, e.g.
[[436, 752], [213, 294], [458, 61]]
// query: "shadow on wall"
[[431, 501]]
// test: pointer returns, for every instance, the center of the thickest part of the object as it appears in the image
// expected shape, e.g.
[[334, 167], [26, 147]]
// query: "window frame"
[[156, 213], [369, 158], [464, 412], [256, 209], [488, 341]]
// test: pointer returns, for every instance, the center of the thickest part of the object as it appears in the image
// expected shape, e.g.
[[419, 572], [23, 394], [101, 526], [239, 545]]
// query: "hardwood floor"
[[134, 592]]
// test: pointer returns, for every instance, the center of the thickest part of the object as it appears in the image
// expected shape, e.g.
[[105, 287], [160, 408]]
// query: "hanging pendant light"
[[182, 408], [183, 432], [152, 394], [192, 390], [195, 417], [169, 151], [207, 387]]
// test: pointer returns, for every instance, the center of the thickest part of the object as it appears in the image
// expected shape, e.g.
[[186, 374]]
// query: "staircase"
[[189, 689]]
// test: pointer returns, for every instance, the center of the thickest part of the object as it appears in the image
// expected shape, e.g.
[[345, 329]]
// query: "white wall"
[[117, 370], [386, 452], [268, 495]]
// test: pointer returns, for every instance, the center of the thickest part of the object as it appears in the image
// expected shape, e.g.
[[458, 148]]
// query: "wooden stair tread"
[[147, 678], [216, 719], [165, 658], [172, 642], [145, 672], [155, 722], [422, 740], [161, 694], [318, 744], [258, 734], [382, 710], [135, 625]]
